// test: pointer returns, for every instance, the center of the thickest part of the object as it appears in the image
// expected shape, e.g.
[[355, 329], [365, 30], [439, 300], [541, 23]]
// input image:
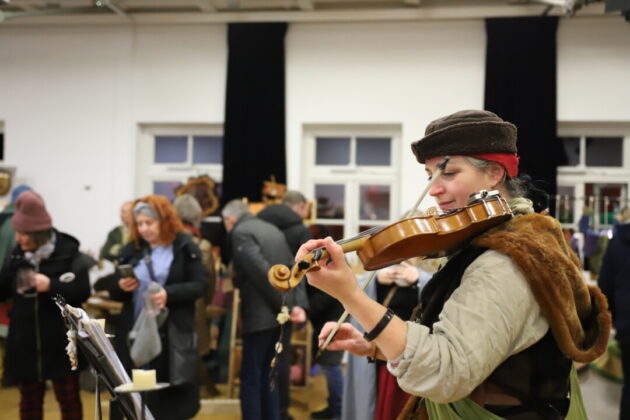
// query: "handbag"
[[144, 339], [182, 355], [182, 345]]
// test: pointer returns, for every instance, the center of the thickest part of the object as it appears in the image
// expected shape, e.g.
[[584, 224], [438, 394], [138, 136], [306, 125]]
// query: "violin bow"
[[366, 283]]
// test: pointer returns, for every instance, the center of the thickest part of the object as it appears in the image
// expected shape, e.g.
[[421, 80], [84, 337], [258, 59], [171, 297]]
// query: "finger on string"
[[308, 247], [334, 251]]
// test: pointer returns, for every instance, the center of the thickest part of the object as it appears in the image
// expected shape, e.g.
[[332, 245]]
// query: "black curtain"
[[254, 131], [521, 88]]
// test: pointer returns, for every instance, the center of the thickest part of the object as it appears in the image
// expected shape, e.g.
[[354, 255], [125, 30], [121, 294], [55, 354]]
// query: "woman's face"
[[25, 241], [460, 179], [149, 229]]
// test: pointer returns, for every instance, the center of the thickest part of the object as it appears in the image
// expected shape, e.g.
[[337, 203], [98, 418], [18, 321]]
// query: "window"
[[170, 149], [166, 188], [374, 151], [566, 204], [347, 151], [332, 150], [571, 149], [596, 174], [604, 151], [188, 149], [169, 154], [330, 200], [374, 202], [606, 200], [207, 150], [353, 175], [593, 151]]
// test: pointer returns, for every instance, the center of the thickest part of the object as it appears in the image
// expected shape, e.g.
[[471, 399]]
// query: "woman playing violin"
[[499, 324]]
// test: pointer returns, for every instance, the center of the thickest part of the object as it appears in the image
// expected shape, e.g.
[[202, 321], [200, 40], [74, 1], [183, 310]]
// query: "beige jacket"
[[463, 351]]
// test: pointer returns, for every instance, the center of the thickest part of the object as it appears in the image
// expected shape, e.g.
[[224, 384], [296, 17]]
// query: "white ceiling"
[[21, 12]]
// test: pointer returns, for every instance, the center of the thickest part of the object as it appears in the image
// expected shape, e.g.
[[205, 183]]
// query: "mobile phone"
[[126, 270]]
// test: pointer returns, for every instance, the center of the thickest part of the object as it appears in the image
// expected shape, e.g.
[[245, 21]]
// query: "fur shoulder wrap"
[[577, 313]]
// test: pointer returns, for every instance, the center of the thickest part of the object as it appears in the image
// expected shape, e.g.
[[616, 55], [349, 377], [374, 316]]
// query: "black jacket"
[[256, 246], [288, 221], [614, 279], [322, 307], [186, 281], [37, 335]]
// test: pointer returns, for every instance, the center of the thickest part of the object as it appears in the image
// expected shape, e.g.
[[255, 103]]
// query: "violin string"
[[363, 234], [365, 284], [368, 232]]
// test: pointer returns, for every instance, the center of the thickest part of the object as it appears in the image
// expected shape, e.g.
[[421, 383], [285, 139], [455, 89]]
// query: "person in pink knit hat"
[[44, 263]]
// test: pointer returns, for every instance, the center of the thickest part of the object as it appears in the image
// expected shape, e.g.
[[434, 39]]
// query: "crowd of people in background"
[[173, 274], [166, 276]]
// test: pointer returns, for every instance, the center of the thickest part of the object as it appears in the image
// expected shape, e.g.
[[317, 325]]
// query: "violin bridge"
[[432, 211]]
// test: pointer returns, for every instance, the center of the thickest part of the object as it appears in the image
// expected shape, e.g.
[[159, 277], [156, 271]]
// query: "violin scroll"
[[284, 278], [279, 276]]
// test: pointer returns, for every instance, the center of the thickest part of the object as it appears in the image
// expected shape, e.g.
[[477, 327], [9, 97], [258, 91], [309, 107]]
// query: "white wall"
[[71, 98], [400, 73], [594, 70], [65, 96]]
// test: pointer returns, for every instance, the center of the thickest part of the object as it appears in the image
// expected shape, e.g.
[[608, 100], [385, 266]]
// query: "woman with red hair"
[[168, 275]]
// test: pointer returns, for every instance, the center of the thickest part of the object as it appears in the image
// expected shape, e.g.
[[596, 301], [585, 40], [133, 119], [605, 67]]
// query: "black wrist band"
[[378, 328]]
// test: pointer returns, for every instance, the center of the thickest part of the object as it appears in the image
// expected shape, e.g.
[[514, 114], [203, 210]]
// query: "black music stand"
[[94, 344]]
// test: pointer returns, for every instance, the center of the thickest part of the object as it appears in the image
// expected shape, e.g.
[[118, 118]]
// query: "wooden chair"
[[236, 348]]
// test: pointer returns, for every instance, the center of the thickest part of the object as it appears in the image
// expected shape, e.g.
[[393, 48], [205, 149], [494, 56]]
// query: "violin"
[[429, 236]]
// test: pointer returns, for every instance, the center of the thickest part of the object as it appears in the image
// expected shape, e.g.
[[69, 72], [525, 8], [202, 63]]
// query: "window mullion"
[[353, 152], [189, 152]]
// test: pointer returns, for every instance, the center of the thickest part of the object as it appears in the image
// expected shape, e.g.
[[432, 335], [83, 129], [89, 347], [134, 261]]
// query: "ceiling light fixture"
[[569, 7]]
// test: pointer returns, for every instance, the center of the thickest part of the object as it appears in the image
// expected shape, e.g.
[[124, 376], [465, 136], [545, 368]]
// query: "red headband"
[[508, 160]]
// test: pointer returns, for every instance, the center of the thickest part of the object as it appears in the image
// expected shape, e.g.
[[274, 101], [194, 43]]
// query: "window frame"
[[147, 171], [353, 175], [580, 175]]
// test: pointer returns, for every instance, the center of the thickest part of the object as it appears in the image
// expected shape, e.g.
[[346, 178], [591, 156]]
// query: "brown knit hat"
[[466, 133], [30, 213]]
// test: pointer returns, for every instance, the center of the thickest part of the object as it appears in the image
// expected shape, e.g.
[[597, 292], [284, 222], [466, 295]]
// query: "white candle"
[[100, 322], [143, 379]]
